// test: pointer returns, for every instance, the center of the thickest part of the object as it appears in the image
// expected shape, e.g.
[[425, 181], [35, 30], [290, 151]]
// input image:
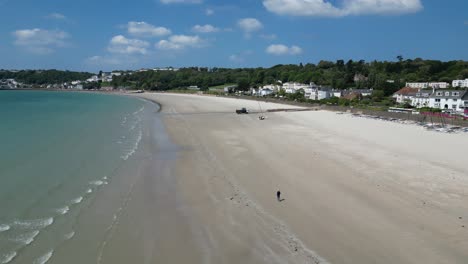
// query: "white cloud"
[[280, 49], [179, 42], [324, 8], [268, 36], [56, 16], [240, 57], [99, 60], [209, 12], [205, 29], [143, 29], [249, 25], [236, 58], [40, 41], [181, 1], [122, 45]]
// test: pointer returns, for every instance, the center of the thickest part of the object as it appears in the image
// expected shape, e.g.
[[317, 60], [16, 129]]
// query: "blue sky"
[[93, 35]]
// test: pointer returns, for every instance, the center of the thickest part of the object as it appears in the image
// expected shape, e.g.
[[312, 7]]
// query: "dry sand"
[[355, 190]]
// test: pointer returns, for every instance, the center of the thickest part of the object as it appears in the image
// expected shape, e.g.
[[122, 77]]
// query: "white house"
[[321, 93], [405, 95], [453, 100], [293, 87], [265, 92], [94, 78], [424, 85], [272, 87], [421, 99], [439, 85], [337, 93], [460, 83]]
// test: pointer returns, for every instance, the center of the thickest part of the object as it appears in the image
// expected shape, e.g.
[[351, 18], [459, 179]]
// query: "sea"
[[58, 152]]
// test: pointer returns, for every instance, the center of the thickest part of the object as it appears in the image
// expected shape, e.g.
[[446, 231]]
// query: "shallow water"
[[58, 150]]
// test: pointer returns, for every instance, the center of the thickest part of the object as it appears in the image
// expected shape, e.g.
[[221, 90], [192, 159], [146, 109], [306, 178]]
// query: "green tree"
[[243, 84]]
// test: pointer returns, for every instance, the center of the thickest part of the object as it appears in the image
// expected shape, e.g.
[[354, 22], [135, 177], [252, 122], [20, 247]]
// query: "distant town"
[[358, 84]]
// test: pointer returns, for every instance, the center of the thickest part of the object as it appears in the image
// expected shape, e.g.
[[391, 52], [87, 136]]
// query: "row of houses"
[[444, 99], [9, 84], [438, 85], [311, 91]]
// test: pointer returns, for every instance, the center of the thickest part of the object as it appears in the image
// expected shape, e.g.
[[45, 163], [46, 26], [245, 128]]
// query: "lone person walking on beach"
[[278, 195]]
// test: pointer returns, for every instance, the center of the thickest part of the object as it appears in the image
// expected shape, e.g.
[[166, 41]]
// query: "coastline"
[[344, 188]]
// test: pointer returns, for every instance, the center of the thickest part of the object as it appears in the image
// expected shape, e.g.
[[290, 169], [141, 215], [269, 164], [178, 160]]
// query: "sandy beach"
[[355, 190]]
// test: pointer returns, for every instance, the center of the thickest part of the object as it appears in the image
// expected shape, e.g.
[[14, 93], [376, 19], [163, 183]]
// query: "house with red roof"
[[405, 95]]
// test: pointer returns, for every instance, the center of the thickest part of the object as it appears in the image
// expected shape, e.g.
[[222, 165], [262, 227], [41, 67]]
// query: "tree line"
[[40, 77], [379, 75]]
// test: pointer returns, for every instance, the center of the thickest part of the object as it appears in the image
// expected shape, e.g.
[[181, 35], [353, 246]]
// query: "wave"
[[63, 210], [34, 224], [69, 235], [89, 191], [4, 228], [124, 121], [104, 178], [139, 111], [43, 259], [26, 238], [135, 147], [97, 183], [7, 258], [77, 200]]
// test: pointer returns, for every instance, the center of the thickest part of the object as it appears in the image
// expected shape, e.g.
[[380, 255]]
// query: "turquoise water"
[[57, 150]]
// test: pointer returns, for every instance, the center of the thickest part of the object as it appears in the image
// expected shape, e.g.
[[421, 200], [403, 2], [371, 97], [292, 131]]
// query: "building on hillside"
[[94, 78], [273, 87], [425, 85], [9, 84], [450, 100], [460, 83], [337, 93], [421, 99], [405, 95], [320, 93], [363, 92], [360, 78], [292, 87], [265, 92]]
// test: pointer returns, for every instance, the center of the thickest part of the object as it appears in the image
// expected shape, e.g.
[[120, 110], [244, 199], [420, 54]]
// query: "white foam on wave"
[[34, 224], [77, 200], [7, 258], [139, 111], [97, 183], [4, 228], [69, 235], [124, 121], [43, 259], [104, 178], [63, 210], [89, 191], [26, 238], [135, 147]]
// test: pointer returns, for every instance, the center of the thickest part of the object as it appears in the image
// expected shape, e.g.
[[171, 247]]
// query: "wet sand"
[[355, 190]]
